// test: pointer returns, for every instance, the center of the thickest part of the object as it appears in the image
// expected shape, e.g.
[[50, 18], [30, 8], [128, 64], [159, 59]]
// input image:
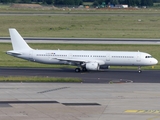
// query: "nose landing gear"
[[139, 69]]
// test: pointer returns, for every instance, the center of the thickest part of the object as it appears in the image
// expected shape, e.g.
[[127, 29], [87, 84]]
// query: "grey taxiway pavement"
[[130, 95], [79, 101], [102, 76], [88, 40]]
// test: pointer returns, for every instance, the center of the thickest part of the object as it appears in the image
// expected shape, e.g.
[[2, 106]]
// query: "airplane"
[[84, 60]]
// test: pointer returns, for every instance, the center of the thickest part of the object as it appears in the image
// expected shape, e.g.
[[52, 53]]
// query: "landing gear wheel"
[[140, 71], [77, 70]]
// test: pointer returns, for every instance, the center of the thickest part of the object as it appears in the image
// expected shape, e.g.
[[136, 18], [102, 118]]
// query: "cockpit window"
[[148, 57]]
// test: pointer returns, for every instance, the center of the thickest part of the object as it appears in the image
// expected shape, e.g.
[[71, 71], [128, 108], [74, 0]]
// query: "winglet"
[[18, 43]]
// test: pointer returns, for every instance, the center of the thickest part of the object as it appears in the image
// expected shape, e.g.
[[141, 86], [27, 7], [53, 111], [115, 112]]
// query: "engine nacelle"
[[92, 66], [104, 67]]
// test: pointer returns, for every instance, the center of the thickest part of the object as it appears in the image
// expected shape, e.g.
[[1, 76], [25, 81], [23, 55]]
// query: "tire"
[[77, 70]]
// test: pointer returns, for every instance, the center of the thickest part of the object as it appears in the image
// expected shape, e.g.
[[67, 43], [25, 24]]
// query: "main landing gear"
[[77, 70], [139, 69], [81, 69]]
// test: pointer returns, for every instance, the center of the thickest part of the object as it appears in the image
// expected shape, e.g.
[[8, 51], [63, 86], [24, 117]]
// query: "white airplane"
[[85, 60]]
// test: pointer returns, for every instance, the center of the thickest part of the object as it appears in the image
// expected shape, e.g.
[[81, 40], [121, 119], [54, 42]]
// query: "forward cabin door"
[[138, 57]]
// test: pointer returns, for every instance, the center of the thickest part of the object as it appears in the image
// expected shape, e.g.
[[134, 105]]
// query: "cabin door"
[[107, 57], [138, 57], [70, 55], [31, 55]]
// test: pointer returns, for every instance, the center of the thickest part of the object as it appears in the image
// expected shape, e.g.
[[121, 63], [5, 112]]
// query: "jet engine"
[[92, 66]]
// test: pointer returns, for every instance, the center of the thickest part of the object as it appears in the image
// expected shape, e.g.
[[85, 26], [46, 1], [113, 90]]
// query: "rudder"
[[18, 43]]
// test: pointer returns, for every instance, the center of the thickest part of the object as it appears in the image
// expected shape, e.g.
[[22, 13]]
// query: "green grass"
[[37, 79], [9, 61], [132, 25]]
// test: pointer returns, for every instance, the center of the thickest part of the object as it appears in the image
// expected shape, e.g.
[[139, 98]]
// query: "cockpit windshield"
[[148, 57]]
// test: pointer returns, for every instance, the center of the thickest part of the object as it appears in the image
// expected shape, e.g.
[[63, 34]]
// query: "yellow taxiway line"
[[143, 111]]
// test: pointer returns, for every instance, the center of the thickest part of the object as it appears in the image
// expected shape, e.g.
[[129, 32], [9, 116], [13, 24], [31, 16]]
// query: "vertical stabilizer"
[[18, 43]]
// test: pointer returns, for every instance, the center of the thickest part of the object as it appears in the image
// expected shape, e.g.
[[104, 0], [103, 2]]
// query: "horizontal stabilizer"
[[13, 53]]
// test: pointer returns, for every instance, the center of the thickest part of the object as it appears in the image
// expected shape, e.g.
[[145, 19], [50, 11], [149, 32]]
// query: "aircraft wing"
[[72, 60], [101, 62]]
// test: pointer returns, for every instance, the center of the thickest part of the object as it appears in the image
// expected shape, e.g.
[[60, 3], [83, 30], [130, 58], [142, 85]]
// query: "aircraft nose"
[[155, 61]]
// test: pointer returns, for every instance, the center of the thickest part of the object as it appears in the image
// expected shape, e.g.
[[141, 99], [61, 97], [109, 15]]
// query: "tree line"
[[80, 2], [126, 2], [56, 2]]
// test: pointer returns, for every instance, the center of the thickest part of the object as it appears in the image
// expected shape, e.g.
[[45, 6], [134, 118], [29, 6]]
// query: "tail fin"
[[18, 43]]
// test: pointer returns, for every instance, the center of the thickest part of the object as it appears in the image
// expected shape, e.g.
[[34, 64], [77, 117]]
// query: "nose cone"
[[155, 61]]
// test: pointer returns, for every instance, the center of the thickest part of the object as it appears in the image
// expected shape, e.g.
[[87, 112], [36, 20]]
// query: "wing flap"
[[71, 60]]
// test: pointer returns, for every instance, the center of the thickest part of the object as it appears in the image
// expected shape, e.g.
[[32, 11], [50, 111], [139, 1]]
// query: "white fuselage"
[[109, 58], [85, 60]]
